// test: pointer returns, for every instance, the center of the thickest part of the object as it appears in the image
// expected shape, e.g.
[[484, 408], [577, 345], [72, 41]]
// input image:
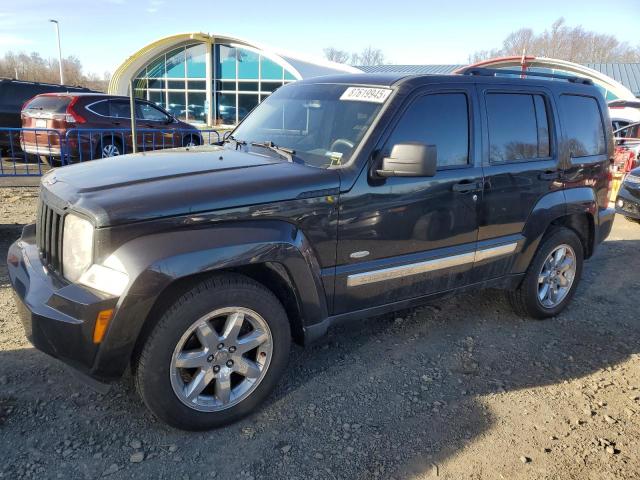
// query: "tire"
[[191, 140], [159, 380], [525, 300]]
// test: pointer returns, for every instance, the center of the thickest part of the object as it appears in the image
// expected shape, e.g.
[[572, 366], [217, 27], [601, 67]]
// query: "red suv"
[[70, 127]]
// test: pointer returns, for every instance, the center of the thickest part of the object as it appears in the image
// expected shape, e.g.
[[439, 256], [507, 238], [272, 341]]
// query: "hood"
[[167, 183]]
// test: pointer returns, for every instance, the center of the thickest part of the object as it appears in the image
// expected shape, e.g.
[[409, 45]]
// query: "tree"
[[561, 41], [34, 68], [335, 55], [368, 56]]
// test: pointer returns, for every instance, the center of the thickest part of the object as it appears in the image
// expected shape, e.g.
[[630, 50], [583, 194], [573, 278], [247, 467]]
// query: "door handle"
[[549, 175], [466, 186]]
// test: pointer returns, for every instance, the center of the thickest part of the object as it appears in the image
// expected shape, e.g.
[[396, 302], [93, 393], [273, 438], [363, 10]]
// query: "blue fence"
[[33, 151]]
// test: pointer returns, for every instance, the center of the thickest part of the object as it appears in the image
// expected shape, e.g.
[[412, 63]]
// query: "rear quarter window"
[[583, 125]]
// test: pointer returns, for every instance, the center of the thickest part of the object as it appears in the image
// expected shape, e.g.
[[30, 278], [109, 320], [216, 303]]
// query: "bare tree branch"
[[33, 67], [561, 41]]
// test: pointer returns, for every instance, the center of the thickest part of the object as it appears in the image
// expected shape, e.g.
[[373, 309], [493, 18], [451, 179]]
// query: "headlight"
[[633, 179], [110, 277], [77, 247]]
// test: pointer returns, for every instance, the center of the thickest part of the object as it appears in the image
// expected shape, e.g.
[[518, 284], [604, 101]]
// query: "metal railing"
[[18, 162], [32, 151]]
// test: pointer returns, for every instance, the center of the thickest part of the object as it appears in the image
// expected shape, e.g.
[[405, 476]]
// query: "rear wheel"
[[215, 355], [109, 148], [552, 277]]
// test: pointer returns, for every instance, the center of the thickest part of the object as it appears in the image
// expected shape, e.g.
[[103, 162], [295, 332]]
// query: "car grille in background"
[[49, 236]]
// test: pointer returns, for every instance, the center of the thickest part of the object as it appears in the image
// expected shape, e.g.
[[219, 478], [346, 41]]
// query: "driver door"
[[400, 238], [155, 129]]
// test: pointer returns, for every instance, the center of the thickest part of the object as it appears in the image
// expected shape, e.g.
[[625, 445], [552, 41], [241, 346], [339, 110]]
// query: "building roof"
[[412, 69], [300, 67], [628, 74]]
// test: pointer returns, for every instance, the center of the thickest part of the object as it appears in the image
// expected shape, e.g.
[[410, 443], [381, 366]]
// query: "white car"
[[624, 113]]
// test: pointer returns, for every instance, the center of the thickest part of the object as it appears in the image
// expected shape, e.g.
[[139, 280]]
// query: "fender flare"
[[551, 207], [156, 261]]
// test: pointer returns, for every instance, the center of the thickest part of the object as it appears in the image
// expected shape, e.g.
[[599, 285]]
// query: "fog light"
[[620, 203], [102, 322]]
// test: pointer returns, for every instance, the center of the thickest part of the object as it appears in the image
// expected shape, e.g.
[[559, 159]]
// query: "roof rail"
[[493, 72]]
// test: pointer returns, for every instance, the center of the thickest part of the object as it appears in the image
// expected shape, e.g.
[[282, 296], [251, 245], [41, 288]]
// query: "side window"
[[518, 127], [583, 125], [440, 119], [151, 113], [101, 108], [119, 109]]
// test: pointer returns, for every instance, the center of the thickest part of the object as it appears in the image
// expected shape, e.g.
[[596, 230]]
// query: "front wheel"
[[552, 277], [215, 354]]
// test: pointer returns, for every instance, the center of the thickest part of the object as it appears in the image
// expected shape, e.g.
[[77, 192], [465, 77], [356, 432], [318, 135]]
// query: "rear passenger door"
[[520, 163]]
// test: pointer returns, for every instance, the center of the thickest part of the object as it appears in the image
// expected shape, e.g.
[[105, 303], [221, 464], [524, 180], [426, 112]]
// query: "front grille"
[[49, 227]]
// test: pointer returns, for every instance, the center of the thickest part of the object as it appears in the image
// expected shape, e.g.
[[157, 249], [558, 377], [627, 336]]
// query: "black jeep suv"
[[337, 198]]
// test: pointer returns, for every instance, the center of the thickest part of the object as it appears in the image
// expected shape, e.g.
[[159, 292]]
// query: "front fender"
[[156, 261]]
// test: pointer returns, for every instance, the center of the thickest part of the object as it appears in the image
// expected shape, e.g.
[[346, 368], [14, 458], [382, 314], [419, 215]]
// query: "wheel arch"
[[281, 261], [574, 208]]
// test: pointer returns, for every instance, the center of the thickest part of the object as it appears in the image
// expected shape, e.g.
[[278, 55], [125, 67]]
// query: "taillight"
[[72, 116]]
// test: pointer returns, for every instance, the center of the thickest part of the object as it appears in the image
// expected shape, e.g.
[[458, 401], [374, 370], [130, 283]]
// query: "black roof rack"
[[493, 72]]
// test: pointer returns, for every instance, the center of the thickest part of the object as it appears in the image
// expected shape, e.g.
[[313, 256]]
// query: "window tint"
[[101, 108], [583, 125], [119, 109], [49, 104], [518, 127], [148, 112], [441, 120]]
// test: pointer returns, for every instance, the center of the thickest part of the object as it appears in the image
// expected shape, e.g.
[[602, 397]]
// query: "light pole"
[[59, 50]]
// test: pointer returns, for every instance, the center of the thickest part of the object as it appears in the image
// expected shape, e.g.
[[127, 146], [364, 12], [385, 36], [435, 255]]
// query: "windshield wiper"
[[231, 138], [282, 151]]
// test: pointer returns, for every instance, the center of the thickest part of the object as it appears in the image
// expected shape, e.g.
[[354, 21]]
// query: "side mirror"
[[410, 160]]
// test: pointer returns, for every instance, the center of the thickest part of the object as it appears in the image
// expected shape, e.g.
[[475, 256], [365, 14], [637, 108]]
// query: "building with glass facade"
[[212, 80]]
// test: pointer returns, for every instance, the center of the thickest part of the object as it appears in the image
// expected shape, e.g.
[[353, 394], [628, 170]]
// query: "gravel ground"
[[462, 389]]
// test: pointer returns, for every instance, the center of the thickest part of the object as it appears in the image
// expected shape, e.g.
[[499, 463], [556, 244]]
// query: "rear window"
[[49, 104], [583, 125], [518, 127], [119, 109]]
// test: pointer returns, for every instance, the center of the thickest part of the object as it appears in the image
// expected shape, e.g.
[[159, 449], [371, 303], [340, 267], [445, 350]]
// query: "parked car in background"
[[628, 200], [13, 95], [627, 147], [86, 126], [624, 112]]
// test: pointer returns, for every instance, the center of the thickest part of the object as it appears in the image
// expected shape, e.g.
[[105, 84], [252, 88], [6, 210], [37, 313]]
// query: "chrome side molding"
[[400, 271]]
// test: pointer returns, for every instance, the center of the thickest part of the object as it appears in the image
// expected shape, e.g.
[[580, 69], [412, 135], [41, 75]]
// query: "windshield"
[[322, 124]]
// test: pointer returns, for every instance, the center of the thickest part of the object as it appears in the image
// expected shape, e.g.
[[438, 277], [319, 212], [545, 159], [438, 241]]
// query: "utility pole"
[[55, 22], [132, 107]]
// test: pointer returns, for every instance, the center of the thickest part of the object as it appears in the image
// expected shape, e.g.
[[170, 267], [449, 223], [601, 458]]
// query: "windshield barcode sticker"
[[366, 94]]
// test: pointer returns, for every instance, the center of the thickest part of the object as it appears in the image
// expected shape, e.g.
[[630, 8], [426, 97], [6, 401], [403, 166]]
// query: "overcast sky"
[[102, 33]]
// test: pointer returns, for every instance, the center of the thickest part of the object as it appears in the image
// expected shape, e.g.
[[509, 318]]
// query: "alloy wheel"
[[556, 276], [110, 150], [221, 359]]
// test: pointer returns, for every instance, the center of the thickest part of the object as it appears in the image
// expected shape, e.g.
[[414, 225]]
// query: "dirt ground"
[[462, 389]]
